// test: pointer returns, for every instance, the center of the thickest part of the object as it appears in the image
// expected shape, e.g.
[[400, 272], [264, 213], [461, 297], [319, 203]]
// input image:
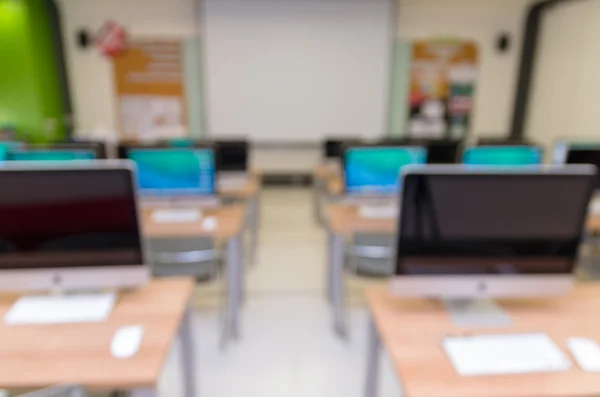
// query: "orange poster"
[[443, 80], [150, 92]]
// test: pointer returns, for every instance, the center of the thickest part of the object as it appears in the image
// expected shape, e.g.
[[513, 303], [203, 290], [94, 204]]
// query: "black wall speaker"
[[503, 42], [84, 39]]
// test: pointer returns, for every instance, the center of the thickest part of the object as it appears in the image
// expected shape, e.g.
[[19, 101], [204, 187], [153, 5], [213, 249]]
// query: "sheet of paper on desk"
[[504, 354], [59, 309]]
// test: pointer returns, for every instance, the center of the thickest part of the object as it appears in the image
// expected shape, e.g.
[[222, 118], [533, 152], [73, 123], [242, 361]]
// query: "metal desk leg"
[[329, 267], [337, 284], [144, 393], [234, 286], [372, 373], [188, 353]]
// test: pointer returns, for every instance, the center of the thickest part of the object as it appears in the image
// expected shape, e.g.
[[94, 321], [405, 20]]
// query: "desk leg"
[[337, 284], [144, 393], [234, 287], [188, 353], [372, 373]]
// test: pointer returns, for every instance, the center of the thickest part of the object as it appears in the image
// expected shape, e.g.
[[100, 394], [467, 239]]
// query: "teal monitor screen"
[[376, 170], [503, 156], [174, 171], [3, 153], [52, 155]]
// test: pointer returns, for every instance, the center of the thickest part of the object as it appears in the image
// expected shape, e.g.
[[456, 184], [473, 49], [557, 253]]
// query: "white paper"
[[176, 215], [505, 354], [58, 309]]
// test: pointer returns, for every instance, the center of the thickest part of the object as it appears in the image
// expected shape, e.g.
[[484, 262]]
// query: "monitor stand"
[[476, 312], [61, 308]]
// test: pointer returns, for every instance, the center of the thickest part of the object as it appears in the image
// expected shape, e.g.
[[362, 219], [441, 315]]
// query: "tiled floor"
[[287, 346]]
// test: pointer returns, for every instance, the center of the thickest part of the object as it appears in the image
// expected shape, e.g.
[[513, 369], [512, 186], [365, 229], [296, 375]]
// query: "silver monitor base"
[[476, 312]]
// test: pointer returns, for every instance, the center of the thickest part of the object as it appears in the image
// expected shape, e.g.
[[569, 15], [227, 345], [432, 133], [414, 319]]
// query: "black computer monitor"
[[232, 155], [444, 151], [334, 148], [585, 154], [487, 232], [69, 225]]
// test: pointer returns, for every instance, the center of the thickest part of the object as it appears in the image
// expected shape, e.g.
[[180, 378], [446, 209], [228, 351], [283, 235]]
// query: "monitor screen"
[[57, 218], [175, 171], [334, 148], [584, 154], [3, 153], [503, 155], [491, 223], [443, 152], [375, 170], [232, 156], [51, 155]]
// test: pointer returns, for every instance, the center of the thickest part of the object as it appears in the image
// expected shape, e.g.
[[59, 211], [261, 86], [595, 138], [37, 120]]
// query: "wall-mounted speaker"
[[503, 42], [84, 39]]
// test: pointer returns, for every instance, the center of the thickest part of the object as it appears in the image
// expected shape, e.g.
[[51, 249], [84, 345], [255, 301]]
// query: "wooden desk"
[[229, 228], [411, 332], [342, 222], [230, 221], [35, 356]]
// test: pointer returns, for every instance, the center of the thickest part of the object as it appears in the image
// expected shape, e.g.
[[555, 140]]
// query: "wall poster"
[[150, 90], [443, 79]]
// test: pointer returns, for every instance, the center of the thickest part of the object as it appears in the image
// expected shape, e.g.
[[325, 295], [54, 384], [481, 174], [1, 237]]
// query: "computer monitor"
[[3, 152], [375, 170], [504, 142], [232, 156], [334, 148], [69, 226], [443, 151], [584, 154], [503, 156], [477, 233], [439, 151], [51, 155], [171, 172]]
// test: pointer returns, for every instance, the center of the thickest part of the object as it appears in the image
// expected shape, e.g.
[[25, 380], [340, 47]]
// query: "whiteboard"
[[297, 70]]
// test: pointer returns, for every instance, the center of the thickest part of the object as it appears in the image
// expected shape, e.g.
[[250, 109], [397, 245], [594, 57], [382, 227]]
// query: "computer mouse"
[[209, 223], [126, 341]]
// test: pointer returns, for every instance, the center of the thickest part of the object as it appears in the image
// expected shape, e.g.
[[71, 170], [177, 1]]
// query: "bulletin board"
[[443, 80], [149, 85]]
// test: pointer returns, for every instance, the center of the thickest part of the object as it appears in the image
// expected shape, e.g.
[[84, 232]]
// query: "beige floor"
[[287, 346]]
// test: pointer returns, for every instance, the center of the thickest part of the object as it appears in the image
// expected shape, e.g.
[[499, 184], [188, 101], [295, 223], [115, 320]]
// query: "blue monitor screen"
[[51, 155], [375, 170], [175, 171], [503, 156]]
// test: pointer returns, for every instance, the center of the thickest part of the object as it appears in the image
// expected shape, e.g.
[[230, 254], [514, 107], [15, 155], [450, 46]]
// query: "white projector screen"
[[297, 70]]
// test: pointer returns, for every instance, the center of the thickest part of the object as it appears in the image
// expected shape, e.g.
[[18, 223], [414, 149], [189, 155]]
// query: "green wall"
[[30, 95]]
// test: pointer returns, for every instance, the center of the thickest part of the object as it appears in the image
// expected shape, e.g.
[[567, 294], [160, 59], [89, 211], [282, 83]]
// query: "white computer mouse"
[[209, 223], [126, 341]]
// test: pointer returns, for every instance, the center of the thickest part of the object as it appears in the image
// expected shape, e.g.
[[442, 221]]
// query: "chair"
[[196, 257], [371, 255]]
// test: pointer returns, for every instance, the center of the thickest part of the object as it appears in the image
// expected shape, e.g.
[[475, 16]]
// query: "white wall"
[[90, 74], [565, 101], [297, 70], [480, 21]]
